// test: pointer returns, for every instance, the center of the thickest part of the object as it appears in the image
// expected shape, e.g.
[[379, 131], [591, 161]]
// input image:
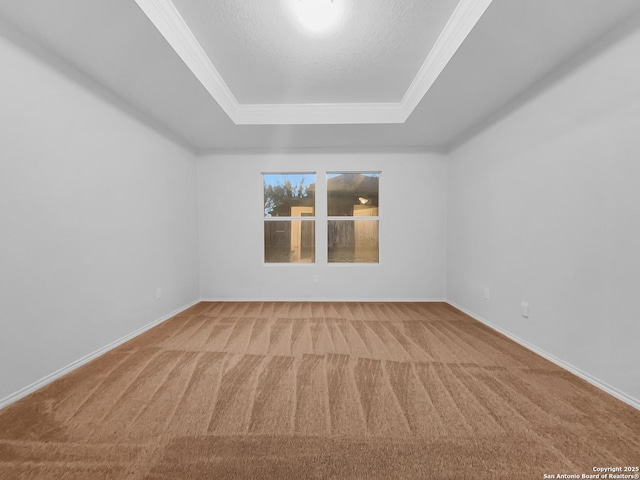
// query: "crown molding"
[[320, 113], [460, 24], [168, 21]]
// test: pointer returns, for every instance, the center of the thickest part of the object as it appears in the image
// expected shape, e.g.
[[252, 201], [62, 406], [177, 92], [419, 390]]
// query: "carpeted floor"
[[317, 390]]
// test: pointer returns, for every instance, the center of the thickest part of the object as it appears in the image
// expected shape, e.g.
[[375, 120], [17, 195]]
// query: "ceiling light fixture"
[[316, 15]]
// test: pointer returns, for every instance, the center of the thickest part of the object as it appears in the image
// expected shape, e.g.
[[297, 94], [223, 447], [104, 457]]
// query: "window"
[[289, 217], [352, 217], [353, 222]]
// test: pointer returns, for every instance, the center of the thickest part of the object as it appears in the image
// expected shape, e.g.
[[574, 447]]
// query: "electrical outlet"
[[487, 294], [316, 278], [158, 293], [524, 309]]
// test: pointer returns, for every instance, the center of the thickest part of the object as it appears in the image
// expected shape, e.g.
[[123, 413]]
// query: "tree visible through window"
[[289, 217]]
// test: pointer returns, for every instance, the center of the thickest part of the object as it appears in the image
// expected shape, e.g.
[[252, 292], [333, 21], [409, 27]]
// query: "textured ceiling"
[[344, 76], [266, 57], [517, 47]]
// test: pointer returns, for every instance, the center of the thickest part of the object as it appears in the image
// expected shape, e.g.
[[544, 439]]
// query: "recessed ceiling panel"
[[269, 63], [266, 55]]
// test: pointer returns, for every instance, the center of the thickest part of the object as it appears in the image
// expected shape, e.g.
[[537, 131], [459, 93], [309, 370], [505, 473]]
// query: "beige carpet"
[[317, 390]]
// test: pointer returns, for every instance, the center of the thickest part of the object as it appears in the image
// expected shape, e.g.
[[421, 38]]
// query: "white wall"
[[544, 207], [412, 229], [96, 212]]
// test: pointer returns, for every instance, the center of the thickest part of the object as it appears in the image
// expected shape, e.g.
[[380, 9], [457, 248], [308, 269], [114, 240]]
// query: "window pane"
[[353, 241], [290, 241], [289, 194], [352, 194]]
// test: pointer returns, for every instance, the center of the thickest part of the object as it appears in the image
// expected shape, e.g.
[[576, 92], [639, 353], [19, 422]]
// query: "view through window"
[[353, 222], [289, 217]]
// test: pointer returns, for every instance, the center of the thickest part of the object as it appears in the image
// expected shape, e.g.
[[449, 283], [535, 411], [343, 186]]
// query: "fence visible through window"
[[353, 225]]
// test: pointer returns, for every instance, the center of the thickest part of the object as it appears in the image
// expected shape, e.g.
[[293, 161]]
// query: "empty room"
[[328, 239]]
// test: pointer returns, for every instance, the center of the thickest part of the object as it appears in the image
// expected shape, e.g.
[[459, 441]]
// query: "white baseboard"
[[345, 300], [23, 392], [635, 403]]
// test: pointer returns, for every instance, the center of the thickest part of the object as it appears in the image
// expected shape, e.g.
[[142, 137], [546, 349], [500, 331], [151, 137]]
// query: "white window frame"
[[328, 218], [313, 218], [321, 219]]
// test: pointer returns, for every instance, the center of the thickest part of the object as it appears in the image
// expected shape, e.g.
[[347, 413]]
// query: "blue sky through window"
[[273, 179]]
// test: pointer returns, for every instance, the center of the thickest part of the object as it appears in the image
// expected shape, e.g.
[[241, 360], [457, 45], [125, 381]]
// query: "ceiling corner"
[[168, 21], [462, 21]]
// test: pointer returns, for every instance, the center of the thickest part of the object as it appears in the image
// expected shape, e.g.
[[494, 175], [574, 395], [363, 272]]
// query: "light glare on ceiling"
[[316, 15]]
